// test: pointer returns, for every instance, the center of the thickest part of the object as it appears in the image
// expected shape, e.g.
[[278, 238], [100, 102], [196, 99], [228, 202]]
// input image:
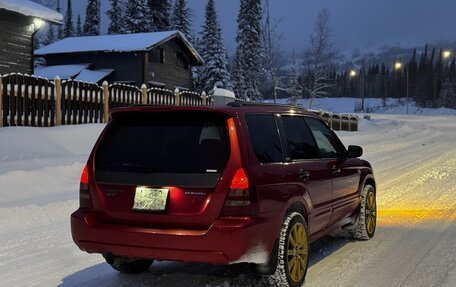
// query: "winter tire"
[[367, 217], [292, 253]]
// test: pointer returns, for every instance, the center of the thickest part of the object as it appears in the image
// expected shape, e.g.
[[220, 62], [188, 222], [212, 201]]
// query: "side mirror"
[[354, 151]]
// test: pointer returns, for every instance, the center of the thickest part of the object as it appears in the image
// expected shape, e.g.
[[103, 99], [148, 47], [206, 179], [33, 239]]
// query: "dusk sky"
[[362, 24]]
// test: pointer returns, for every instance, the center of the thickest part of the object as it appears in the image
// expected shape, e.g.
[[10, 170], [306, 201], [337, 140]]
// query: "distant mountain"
[[389, 54]]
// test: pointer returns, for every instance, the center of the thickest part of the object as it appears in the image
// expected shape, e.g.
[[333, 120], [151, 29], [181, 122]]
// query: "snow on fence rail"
[[26, 101], [33, 101]]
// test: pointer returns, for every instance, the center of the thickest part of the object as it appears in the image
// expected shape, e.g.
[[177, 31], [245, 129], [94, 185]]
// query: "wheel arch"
[[370, 181], [299, 208]]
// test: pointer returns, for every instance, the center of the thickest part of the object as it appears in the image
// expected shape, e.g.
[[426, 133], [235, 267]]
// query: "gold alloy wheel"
[[297, 252], [371, 213]]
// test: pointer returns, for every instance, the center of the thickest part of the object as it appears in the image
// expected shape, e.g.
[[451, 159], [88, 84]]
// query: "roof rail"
[[240, 104]]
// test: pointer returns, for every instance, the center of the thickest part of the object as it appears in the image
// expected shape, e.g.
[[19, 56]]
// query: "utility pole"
[[408, 95]]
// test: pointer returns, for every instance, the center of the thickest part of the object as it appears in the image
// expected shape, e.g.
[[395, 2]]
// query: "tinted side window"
[[300, 143], [328, 144], [265, 138]]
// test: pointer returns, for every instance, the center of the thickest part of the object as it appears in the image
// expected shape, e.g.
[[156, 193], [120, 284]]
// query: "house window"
[[181, 61], [162, 56]]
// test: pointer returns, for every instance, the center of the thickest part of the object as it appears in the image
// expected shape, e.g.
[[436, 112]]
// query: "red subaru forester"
[[239, 183]]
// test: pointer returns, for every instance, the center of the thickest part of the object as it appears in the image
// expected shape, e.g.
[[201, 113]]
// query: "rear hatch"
[[162, 169]]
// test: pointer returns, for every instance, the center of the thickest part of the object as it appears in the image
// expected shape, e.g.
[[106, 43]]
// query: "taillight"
[[84, 190], [241, 199]]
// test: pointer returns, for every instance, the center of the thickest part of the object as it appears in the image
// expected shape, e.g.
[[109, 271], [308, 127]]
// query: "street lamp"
[[38, 24], [446, 54], [354, 74], [398, 67]]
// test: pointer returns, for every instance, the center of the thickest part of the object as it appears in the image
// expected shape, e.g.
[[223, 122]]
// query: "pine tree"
[[59, 27], [196, 70], [249, 49], [136, 17], [92, 19], [214, 72], [78, 31], [159, 15], [238, 77], [115, 17], [181, 19], [68, 28], [50, 37], [294, 88]]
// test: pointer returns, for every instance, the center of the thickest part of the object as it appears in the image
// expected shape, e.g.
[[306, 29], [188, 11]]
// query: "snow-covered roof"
[[93, 76], [115, 43], [63, 71], [29, 8]]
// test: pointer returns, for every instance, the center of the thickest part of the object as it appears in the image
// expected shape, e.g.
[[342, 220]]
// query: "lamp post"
[[398, 66], [35, 27], [353, 74]]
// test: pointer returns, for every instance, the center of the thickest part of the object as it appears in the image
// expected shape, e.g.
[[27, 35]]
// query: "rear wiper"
[[135, 166]]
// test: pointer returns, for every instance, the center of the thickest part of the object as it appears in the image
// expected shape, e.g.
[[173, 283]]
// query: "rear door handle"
[[304, 174], [335, 169]]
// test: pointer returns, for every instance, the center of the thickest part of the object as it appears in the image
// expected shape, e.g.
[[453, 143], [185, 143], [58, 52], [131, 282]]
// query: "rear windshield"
[[165, 142]]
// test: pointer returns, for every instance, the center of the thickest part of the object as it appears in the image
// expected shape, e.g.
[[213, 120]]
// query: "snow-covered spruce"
[[137, 18], [295, 89], [92, 19], [115, 15], [68, 27], [181, 19], [249, 49], [78, 31], [159, 15], [215, 71]]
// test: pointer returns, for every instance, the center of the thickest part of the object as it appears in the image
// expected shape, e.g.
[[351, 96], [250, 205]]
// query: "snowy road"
[[415, 166]]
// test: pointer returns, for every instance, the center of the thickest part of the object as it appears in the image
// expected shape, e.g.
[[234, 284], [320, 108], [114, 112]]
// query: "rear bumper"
[[226, 241]]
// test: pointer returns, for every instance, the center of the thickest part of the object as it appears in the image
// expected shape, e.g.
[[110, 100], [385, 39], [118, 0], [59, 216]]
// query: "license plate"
[[150, 199]]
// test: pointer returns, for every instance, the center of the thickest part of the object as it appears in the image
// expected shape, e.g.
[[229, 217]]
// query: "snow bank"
[[372, 105], [42, 165], [29, 8]]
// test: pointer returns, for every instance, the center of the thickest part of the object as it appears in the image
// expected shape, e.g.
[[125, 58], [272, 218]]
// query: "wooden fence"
[[31, 101]]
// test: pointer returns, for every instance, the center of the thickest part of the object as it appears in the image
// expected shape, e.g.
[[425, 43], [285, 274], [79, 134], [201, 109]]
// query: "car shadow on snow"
[[174, 274]]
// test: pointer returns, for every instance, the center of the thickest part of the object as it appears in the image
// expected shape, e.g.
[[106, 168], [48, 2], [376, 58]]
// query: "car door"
[[306, 173], [345, 176]]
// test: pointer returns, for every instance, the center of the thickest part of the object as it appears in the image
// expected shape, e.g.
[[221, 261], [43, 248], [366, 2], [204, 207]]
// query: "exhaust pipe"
[[109, 257]]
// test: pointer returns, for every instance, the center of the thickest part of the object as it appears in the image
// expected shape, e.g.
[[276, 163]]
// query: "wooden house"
[[19, 21], [160, 59]]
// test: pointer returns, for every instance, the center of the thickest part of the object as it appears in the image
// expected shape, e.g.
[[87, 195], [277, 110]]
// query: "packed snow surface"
[[414, 158], [30, 8]]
